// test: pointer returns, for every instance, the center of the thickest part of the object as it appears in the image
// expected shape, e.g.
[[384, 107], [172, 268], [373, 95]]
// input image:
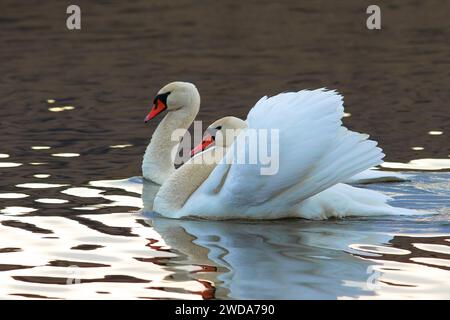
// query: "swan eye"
[[162, 97], [218, 128]]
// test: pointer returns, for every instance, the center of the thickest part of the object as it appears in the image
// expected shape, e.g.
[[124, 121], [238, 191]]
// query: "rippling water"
[[72, 138]]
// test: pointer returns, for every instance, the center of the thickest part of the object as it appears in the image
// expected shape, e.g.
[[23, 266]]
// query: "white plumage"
[[316, 153]]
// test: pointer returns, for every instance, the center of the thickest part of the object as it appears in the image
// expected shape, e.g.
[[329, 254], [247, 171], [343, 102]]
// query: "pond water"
[[72, 137]]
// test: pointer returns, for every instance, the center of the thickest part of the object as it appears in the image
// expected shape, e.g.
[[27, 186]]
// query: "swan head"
[[221, 133], [175, 96]]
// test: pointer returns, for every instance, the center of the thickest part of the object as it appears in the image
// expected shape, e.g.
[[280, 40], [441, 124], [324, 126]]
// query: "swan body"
[[316, 154]]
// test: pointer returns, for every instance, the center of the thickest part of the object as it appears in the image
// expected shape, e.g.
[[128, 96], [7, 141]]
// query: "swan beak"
[[157, 109], [206, 142]]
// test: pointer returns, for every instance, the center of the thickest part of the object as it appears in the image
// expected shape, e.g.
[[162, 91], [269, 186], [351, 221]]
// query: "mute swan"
[[340, 200], [182, 101], [316, 154]]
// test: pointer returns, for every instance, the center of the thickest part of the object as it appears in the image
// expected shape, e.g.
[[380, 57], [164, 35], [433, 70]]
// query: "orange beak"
[[156, 109], [206, 142]]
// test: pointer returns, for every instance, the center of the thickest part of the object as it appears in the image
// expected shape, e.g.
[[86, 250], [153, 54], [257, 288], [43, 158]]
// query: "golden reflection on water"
[[43, 265], [60, 109], [125, 254]]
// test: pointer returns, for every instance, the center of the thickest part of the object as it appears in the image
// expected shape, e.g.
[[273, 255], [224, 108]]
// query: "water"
[[72, 138]]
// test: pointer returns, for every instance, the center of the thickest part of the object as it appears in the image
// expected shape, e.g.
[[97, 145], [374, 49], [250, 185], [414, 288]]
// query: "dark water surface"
[[72, 105]]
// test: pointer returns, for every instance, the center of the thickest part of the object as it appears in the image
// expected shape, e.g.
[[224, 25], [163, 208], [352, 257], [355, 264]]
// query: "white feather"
[[315, 153]]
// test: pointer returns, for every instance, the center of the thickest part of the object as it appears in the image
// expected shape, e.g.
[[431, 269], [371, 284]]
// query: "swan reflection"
[[288, 259]]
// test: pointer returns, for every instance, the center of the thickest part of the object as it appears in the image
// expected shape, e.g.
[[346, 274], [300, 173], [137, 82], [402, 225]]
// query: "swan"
[[181, 100], [338, 201], [316, 154]]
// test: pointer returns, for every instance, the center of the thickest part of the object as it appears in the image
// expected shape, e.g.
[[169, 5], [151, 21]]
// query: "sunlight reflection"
[[439, 248], [87, 208], [17, 210], [120, 146], [4, 155], [66, 155], [41, 175], [59, 109], [84, 192], [13, 195], [9, 164], [433, 261], [40, 185], [419, 164], [48, 200], [435, 133], [417, 148], [40, 147]]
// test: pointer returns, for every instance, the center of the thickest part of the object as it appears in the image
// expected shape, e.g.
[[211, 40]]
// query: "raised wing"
[[314, 152]]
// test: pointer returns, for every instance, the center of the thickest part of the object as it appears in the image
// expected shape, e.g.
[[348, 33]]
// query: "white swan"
[[182, 101], [316, 154]]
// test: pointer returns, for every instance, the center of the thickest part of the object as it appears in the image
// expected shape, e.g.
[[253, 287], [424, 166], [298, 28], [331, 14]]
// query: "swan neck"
[[174, 193], [158, 162]]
